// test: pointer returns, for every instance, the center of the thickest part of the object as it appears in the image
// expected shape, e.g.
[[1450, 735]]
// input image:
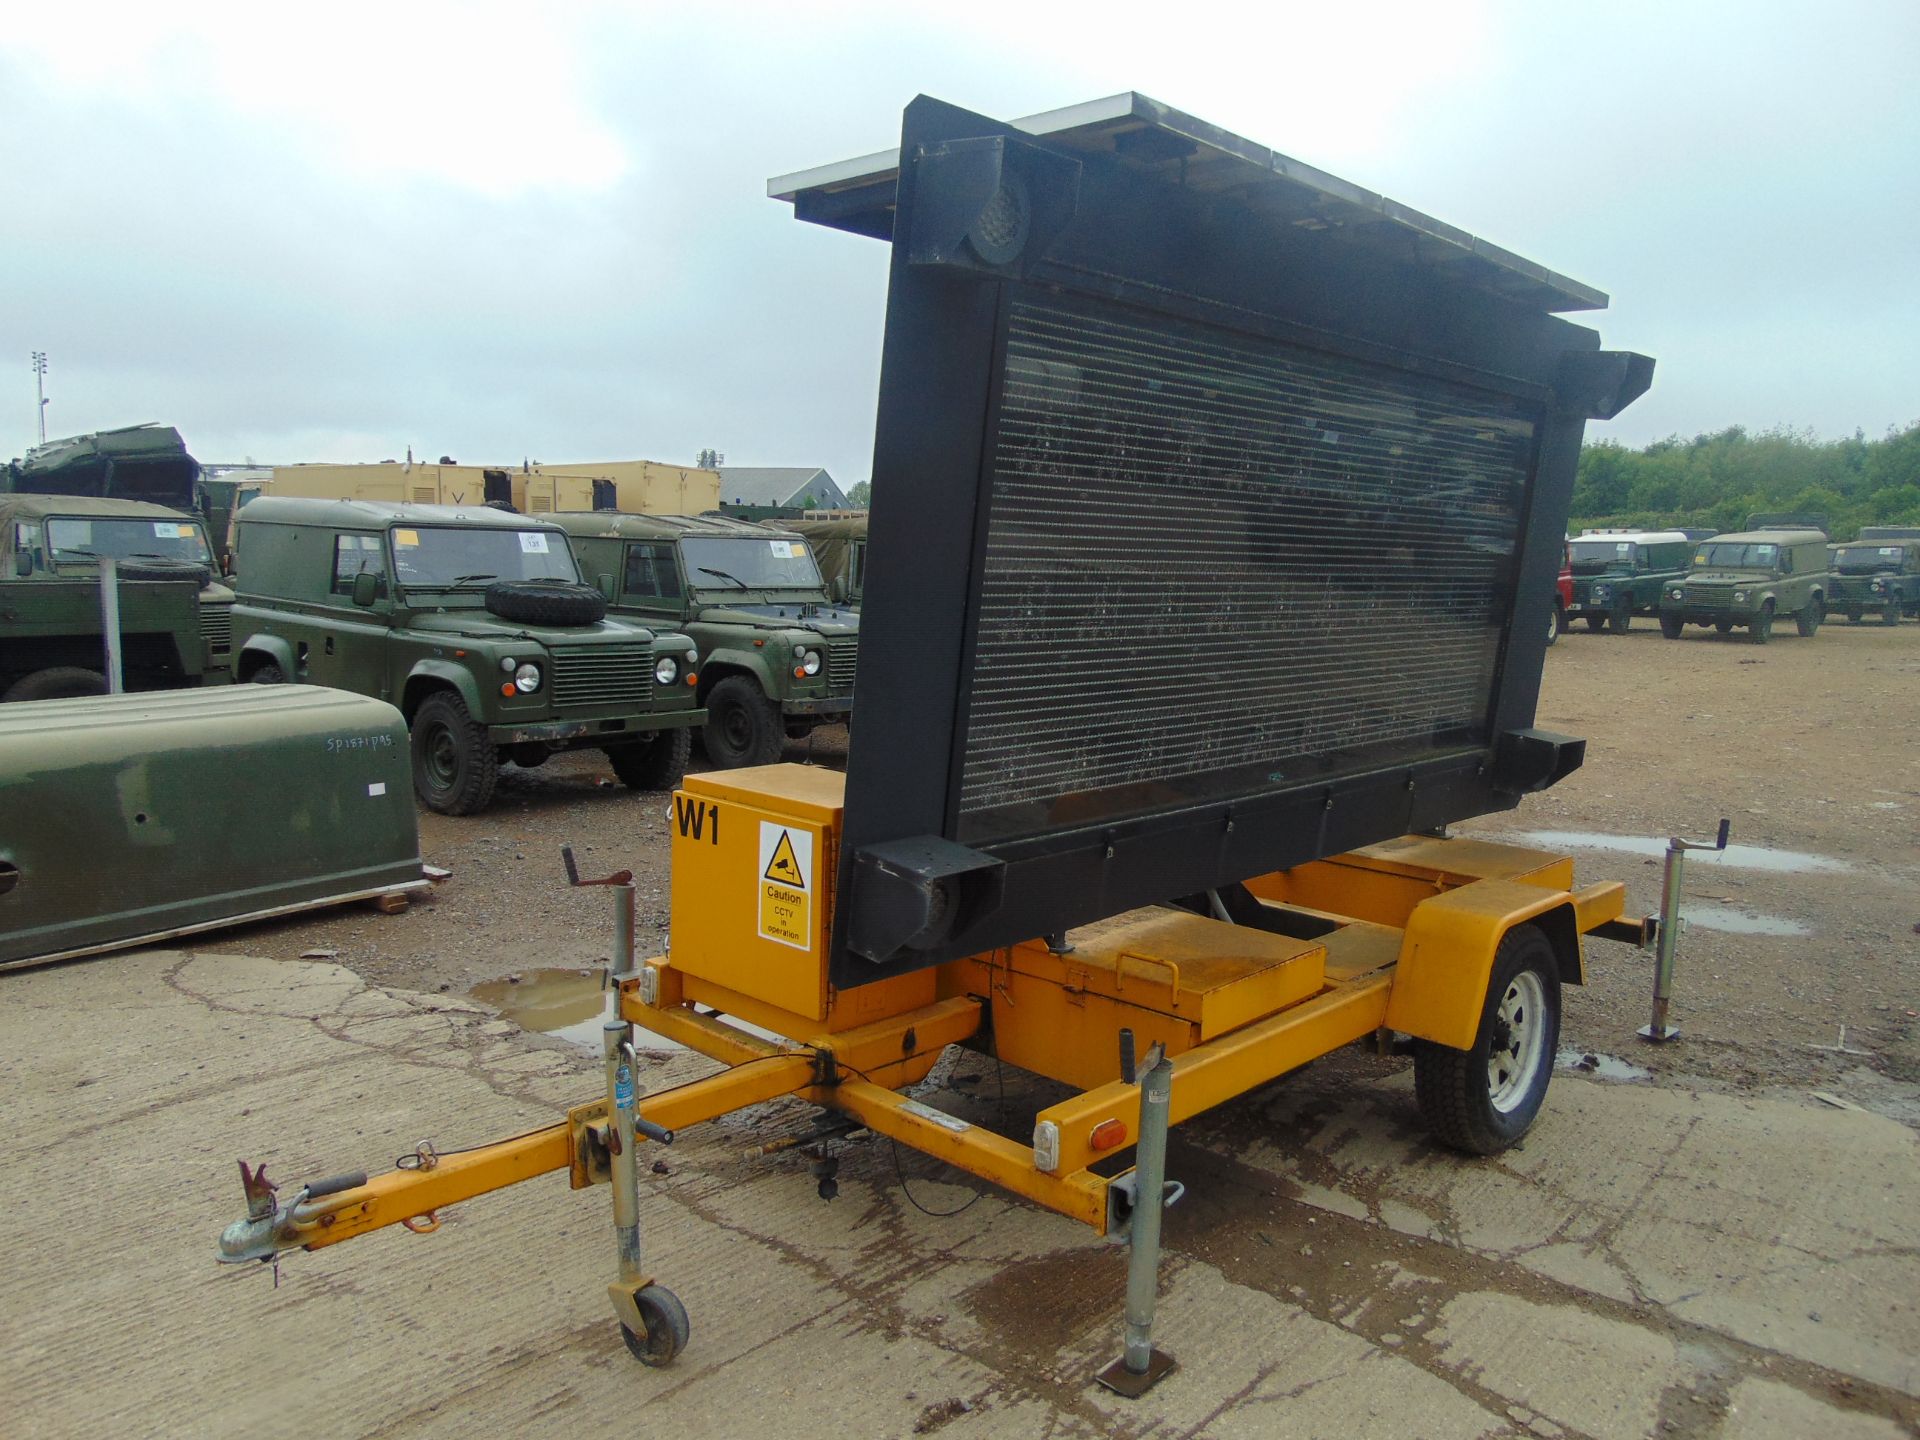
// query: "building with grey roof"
[[801, 486]]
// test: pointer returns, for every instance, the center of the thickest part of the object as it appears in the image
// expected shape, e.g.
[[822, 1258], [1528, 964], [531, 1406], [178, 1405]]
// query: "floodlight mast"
[[40, 391]]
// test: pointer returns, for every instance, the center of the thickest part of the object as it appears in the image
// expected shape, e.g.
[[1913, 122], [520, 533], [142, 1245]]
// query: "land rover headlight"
[[1739, 597], [1602, 592], [526, 679], [1676, 593], [666, 670], [1879, 584], [808, 661]]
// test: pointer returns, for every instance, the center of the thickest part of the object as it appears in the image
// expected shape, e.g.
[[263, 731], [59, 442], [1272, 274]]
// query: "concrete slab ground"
[[1651, 1261]]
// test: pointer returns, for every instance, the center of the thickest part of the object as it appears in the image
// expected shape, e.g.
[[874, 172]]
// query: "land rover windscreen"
[[1735, 555], [455, 559], [72, 539], [738, 563]]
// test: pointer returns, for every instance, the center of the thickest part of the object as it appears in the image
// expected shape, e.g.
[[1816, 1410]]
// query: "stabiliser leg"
[[1140, 1366]]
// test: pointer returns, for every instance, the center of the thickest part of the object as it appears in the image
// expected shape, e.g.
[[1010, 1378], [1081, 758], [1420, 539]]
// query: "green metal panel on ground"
[[128, 818]]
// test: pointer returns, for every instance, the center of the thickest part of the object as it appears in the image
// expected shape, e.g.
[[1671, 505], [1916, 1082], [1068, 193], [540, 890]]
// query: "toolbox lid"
[[809, 793]]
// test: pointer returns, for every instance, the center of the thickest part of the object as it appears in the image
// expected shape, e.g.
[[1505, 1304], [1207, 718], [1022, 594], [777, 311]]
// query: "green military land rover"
[[1751, 578], [776, 655], [1876, 577], [840, 550], [474, 622], [1618, 574], [175, 623]]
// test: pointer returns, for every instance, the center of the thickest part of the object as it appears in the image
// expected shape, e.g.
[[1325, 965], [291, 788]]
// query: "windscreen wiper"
[[724, 576]]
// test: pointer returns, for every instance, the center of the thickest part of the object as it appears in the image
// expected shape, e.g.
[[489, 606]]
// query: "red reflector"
[[693, 679], [507, 689], [1107, 1134], [798, 673], [459, 654]]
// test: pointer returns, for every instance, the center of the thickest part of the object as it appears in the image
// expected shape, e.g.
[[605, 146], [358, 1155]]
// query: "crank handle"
[[1719, 842]]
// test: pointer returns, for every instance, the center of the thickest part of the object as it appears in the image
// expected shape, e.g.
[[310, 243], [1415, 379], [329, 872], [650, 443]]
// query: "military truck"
[[1618, 574], [840, 550], [776, 655], [475, 623], [175, 623], [1750, 578], [1877, 576]]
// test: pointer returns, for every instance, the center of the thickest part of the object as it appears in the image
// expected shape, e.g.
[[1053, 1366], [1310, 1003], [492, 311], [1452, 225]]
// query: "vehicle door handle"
[[329, 649]]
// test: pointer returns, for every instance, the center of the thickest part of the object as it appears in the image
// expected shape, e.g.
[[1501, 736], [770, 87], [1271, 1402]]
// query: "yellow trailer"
[[1153, 1016]]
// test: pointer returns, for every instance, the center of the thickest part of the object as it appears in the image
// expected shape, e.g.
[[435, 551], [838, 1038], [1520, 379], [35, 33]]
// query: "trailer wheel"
[[657, 763], [667, 1327], [1671, 626], [1482, 1100], [455, 766]]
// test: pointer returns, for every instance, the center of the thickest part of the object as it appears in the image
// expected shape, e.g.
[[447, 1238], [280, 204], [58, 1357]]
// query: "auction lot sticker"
[[786, 884]]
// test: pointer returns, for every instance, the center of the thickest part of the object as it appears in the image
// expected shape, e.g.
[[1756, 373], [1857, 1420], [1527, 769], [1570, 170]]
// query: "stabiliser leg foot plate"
[[1122, 1381]]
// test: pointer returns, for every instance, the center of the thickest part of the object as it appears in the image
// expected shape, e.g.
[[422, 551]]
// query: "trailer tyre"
[[59, 682], [455, 766], [1482, 1100], [656, 763], [667, 1326], [743, 726]]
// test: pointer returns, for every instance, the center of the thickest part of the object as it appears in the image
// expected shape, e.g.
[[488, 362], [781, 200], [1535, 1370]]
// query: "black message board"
[[1209, 536]]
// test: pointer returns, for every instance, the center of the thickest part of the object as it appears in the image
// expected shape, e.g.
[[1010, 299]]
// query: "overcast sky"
[[329, 233]]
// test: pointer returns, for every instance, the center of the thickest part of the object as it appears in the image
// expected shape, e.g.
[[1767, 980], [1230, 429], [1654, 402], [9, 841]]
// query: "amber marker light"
[[1107, 1134], [507, 689], [693, 679]]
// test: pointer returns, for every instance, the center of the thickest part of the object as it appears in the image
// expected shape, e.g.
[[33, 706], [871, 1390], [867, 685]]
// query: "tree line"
[[1715, 481]]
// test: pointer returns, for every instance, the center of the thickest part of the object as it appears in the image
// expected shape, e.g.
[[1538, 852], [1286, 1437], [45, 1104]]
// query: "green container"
[[128, 819]]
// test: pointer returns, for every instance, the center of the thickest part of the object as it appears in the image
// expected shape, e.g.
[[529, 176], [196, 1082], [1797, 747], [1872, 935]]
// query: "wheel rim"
[[442, 757], [1519, 1041]]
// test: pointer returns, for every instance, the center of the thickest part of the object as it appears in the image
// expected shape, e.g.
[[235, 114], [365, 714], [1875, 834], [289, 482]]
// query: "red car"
[[1563, 597]]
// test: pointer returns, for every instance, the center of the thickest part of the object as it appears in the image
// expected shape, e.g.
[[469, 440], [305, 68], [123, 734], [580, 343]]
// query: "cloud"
[[499, 231]]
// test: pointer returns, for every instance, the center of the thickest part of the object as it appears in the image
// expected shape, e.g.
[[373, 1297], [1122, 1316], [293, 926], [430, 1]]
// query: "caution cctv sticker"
[[786, 884]]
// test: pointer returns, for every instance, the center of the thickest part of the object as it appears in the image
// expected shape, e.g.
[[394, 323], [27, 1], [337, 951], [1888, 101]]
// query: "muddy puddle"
[[569, 1004], [1600, 1067], [1731, 921], [1734, 857]]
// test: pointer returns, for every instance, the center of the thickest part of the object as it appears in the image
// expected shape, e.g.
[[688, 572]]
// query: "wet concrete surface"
[[1651, 1261]]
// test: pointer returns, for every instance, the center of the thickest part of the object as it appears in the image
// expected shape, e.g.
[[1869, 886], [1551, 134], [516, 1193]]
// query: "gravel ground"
[[1806, 745]]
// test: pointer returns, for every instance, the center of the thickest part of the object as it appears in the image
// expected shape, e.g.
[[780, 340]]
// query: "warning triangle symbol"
[[785, 865]]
